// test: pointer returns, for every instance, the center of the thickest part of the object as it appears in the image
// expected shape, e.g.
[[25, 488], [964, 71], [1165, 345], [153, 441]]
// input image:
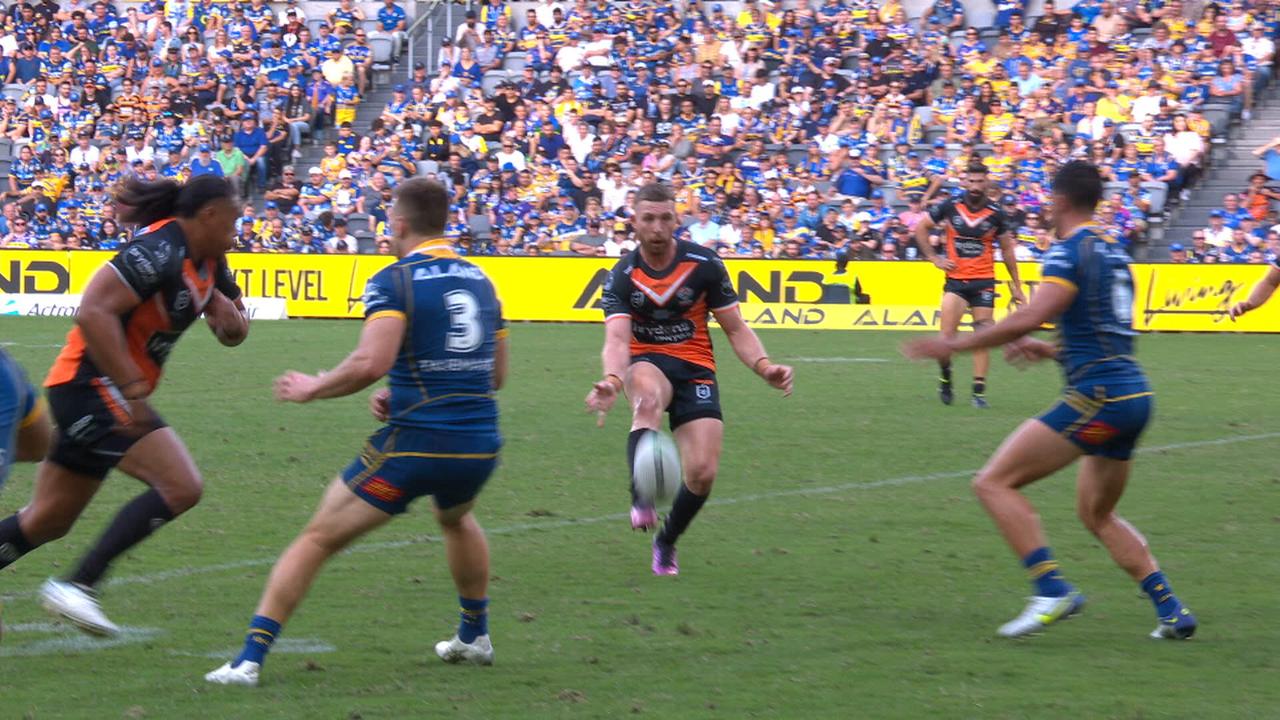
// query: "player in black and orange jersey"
[[971, 227], [132, 313], [657, 350]]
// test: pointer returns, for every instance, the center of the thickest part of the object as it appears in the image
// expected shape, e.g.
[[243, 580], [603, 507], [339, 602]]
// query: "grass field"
[[842, 570]]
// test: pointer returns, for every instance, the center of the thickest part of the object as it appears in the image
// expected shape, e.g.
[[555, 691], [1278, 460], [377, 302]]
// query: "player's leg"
[[1099, 486], [649, 391], [467, 550], [1032, 452], [700, 441], [341, 518], [162, 461], [953, 309], [982, 317], [60, 495]]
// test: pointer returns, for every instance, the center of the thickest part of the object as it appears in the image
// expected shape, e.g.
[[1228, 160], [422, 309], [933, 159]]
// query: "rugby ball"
[[656, 471]]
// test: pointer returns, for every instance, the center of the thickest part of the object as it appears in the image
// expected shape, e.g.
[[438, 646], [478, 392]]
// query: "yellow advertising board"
[[774, 293]]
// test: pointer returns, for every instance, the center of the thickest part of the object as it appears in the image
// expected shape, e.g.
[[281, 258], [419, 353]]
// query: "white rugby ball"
[[656, 471]]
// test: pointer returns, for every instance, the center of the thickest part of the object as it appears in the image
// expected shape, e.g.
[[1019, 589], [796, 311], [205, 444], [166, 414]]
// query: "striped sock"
[[1043, 570], [475, 618], [258, 641]]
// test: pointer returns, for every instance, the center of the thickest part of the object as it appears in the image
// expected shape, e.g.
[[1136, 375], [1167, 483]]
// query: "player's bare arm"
[[747, 346], [923, 228], [228, 319], [1009, 256], [373, 357], [1050, 301], [616, 357], [1260, 294]]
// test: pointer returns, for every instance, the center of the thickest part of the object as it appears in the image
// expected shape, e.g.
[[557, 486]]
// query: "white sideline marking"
[[164, 575], [73, 641], [836, 360]]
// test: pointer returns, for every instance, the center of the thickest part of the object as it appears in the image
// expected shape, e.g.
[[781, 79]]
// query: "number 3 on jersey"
[[465, 333]]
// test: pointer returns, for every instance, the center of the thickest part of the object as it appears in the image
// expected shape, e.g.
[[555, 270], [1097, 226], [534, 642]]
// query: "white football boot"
[[246, 673], [1042, 612], [77, 606], [454, 650]]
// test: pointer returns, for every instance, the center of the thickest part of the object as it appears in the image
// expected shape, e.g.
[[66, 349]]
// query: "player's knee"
[[42, 524], [646, 405], [988, 482], [699, 478], [1092, 518], [184, 495]]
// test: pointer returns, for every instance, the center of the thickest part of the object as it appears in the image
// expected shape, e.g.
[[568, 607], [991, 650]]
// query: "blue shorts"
[[1104, 419], [19, 407], [399, 465]]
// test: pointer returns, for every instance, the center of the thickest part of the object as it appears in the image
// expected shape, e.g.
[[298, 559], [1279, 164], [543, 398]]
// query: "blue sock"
[[1044, 573], [1157, 586], [257, 643], [475, 619]]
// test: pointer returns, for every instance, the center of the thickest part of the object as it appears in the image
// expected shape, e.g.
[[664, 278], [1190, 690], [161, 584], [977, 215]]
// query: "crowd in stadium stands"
[[787, 129]]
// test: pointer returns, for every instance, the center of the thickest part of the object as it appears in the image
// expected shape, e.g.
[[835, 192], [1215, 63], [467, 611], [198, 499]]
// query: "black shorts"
[[978, 293], [94, 428], [694, 391]]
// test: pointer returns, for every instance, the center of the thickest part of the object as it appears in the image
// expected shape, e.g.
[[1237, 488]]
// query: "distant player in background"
[[1261, 292], [132, 314], [657, 350], [433, 326], [971, 228], [1087, 291]]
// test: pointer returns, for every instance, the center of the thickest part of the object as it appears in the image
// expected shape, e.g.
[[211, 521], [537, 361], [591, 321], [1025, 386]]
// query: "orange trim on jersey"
[[661, 290], [696, 350], [147, 319], [67, 363], [201, 287], [155, 226], [439, 249], [982, 267], [113, 400]]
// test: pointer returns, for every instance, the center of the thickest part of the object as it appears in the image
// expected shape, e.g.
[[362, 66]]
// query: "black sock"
[[632, 441], [682, 511], [945, 368], [979, 386], [142, 516], [13, 544]]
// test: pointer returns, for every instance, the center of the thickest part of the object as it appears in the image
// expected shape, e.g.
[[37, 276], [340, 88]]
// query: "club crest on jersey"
[[637, 298], [685, 295], [702, 391], [181, 300], [1096, 433]]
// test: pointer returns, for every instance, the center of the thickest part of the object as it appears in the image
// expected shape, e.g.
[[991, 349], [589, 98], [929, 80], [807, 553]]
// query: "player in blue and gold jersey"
[[434, 328], [1087, 291], [25, 432]]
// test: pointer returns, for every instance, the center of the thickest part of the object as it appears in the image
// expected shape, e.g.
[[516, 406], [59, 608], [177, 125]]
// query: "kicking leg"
[[953, 309], [468, 553], [59, 497], [341, 518], [650, 393], [1032, 452], [700, 442], [982, 317], [1099, 486]]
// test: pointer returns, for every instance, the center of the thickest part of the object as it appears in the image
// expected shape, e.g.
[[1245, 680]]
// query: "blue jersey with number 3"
[[1097, 329], [443, 376]]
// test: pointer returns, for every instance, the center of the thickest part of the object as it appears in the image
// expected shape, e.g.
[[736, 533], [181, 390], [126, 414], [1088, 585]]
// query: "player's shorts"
[[399, 465], [1104, 419], [694, 391], [978, 293], [19, 407], [94, 427]]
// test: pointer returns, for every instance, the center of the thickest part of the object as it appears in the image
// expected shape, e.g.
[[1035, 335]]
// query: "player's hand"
[[944, 263], [933, 348], [601, 398], [1016, 294], [1024, 351], [380, 404], [142, 418], [1239, 309], [781, 377], [294, 386]]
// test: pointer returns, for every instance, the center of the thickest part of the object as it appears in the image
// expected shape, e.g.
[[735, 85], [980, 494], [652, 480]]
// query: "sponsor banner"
[[48, 305], [774, 293]]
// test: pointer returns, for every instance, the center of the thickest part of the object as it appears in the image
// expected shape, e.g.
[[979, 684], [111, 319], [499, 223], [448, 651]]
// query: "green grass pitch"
[[842, 570]]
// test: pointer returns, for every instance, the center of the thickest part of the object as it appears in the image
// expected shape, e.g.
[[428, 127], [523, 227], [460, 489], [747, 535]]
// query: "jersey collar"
[[435, 247]]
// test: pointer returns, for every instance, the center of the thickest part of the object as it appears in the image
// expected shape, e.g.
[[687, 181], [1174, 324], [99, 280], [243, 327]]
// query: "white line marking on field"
[[287, 646], [74, 641], [176, 573], [36, 346], [837, 360]]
